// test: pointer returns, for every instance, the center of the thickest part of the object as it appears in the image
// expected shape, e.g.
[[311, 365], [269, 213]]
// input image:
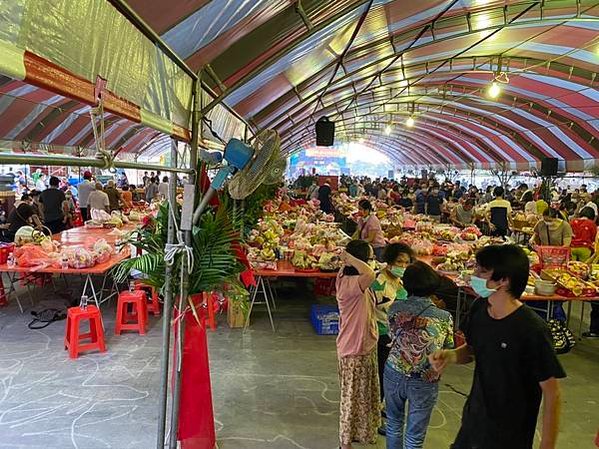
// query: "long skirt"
[[360, 399]]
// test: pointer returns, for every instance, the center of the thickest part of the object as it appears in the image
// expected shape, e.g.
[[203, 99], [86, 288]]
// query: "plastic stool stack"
[[73, 339], [137, 319]]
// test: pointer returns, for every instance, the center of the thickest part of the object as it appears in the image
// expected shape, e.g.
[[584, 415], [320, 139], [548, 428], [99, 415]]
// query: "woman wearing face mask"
[[359, 407], [369, 228], [418, 329], [552, 230], [387, 288]]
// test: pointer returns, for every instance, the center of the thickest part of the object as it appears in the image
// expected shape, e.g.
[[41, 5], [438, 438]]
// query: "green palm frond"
[[149, 264], [215, 262]]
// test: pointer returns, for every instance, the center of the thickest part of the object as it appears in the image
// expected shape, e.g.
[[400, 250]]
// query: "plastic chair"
[[154, 303], [136, 320], [73, 339]]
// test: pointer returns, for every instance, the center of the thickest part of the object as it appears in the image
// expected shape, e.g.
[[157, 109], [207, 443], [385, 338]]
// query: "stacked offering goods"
[[304, 235]]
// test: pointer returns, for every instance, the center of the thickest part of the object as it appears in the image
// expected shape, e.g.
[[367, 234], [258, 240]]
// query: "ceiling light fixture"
[[388, 130], [494, 90], [410, 122]]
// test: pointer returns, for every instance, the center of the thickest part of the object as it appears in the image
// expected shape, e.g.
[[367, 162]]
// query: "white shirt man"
[[163, 188], [98, 199]]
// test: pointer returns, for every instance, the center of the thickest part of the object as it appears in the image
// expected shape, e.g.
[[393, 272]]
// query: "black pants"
[[84, 216], [55, 226], [383, 350], [594, 327]]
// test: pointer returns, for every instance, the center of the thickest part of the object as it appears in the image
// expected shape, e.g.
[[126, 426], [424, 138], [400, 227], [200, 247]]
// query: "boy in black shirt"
[[516, 365]]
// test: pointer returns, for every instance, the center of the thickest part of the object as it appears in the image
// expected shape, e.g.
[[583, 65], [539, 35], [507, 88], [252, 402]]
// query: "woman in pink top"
[[369, 228], [356, 348]]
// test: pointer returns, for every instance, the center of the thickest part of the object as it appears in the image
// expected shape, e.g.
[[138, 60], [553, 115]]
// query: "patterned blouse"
[[417, 329]]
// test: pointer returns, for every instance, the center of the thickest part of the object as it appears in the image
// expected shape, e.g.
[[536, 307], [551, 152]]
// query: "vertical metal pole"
[[193, 160], [168, 307]]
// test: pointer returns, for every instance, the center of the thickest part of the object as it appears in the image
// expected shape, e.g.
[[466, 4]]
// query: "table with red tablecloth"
[[465, 290], [81, 236], [284, 270]]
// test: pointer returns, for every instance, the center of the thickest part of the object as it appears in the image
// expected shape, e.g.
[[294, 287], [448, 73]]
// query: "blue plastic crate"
[[325, 319]]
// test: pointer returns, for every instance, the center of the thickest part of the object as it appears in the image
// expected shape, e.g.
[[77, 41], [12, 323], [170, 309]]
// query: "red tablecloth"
[[75, 237], [286, 269], [100, 268]]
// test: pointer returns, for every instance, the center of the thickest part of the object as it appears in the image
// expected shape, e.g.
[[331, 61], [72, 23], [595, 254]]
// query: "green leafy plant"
[[253, 206], [213, 242]]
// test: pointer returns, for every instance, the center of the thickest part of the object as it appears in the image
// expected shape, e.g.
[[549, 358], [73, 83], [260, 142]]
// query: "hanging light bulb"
[[494, 90], [388, 130], [410, 122]]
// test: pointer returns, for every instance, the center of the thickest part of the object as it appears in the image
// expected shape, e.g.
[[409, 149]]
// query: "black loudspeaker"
[[549, 166], [325, 132]]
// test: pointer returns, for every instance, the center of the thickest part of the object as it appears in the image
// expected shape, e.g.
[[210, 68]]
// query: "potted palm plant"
[[215, 268]]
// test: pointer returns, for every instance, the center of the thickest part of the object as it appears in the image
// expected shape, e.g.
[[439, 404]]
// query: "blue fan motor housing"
[[238, 153]]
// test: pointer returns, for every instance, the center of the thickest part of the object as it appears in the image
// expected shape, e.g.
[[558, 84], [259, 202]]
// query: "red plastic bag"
[[31, 255]]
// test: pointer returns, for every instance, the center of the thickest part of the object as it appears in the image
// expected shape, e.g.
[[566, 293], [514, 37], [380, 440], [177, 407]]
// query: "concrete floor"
[[270, 390]]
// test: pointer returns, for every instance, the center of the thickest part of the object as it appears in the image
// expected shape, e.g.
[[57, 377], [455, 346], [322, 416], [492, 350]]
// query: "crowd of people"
[[395, 342], [52, 204], [453, 202]]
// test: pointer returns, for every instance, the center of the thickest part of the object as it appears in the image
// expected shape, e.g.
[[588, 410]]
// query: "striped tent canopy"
[[366, 64], [370, 64]]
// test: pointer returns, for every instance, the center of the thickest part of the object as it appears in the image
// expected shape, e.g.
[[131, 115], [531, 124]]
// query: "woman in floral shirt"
[[417, 328]]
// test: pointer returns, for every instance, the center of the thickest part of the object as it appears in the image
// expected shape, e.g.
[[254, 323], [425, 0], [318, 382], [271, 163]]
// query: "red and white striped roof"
[[387, 59]]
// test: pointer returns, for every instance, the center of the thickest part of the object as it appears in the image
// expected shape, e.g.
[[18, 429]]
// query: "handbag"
[[563, 339]]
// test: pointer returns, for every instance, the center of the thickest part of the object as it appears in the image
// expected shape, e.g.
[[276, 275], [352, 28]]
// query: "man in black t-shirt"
[[52, 200], [433, 203], [516, 365]]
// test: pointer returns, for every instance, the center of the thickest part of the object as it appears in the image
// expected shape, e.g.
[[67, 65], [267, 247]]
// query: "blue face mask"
[[479, 285], [398, 271]]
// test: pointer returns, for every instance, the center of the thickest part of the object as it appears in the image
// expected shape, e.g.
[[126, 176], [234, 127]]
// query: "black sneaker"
[[590, 335]]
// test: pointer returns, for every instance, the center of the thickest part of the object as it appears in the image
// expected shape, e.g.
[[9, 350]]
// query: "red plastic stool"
[[211, 299], [73, 339], [154, 303], [3, 298], [138, 318], [78, 219]]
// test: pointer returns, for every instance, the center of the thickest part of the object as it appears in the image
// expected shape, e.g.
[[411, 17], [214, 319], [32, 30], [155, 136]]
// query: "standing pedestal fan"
[[249, 167]]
